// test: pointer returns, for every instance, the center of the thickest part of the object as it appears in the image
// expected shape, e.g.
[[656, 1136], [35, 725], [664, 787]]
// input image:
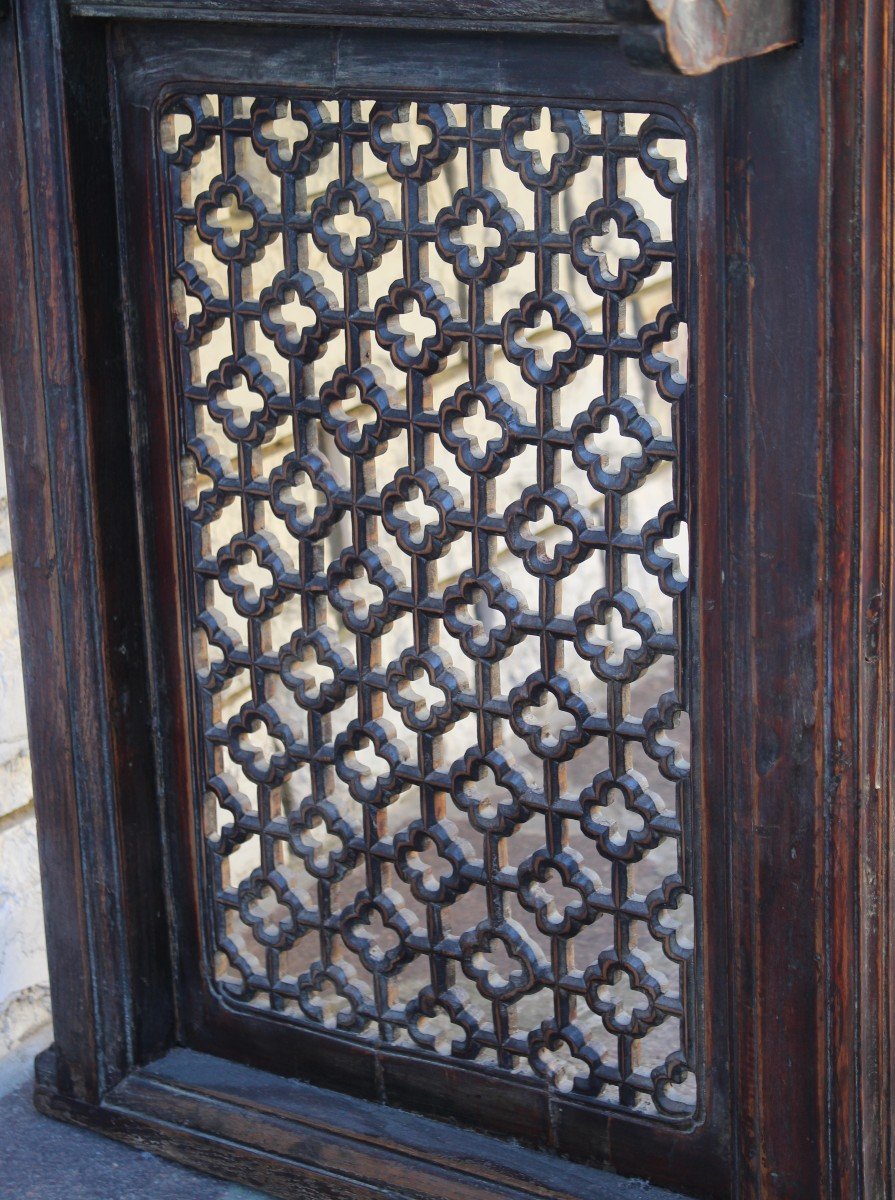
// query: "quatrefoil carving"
[[624, 994], [262, 743], [482, 612], [431, 860], [565, 352], [230, 217], [558, 888], [622, 815], [550, 715], [443, 1023], [614, 246], [322, 838], [422, 482], [299, 314], [314, 666], [368, 758], [413, 144], [306, 495], [331, 997], [347, 224], [270, 909], [412, 324], [425, 689], [377, 929], [493, 793], [526, 145], [362, 587], [564, 1057]]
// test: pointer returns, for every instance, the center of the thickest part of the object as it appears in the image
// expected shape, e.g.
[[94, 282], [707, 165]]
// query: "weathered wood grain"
[[794, 722], [695, 36]]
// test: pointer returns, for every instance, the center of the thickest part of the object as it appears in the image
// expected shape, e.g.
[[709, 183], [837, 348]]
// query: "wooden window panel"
[[780, 635]]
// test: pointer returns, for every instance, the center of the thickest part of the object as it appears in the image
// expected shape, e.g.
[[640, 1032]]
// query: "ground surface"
[[46, 1160]]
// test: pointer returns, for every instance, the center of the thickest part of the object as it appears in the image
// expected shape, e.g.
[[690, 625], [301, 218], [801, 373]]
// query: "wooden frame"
[[796, 581]]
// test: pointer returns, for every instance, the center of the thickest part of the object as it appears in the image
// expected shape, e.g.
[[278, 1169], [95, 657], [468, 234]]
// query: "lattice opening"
[[434, 394]]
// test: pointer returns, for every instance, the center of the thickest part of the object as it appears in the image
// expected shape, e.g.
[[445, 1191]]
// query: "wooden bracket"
[[696, 36]]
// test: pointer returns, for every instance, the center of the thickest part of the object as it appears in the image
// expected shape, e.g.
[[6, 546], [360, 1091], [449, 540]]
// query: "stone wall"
[[24, 992]]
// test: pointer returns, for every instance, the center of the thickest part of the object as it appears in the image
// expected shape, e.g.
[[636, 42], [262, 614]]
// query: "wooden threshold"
[[294, 1140]]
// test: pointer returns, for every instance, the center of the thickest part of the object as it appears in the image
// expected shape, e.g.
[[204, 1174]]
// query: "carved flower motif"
[[550, 715], [622, 816], [636, 620], [377, 929], [480, 634], [519, 958], [347, 253], [260, 893], [246, 732], [538, 369], [300, 519], [362, 587], [640, 234], [247, 376], [256, 551], [443, 839], [432, 665], [552, 1052], [570, 154], [495, 795], [624, 994], [200, 134], [427, 533], [577, 884], [459, 1041], [333, 860], [365, 388], [378, 784], [525, 513], [323, 646], [229, 216], [307, 343], [502, 222], [399, 156], [474, 455], [428, 298], [300, 155], [633, 426], [336, 979]]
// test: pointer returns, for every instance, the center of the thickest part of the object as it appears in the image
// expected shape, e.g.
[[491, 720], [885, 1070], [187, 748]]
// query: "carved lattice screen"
[[431, 361]]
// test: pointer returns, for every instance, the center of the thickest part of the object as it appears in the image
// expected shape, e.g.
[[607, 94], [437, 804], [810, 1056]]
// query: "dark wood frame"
[[795, 461]]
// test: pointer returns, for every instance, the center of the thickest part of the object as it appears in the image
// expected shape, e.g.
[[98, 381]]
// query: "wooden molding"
[[693, 36]]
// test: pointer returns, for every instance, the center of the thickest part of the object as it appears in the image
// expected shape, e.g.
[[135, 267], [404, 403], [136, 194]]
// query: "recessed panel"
[[431, 373]]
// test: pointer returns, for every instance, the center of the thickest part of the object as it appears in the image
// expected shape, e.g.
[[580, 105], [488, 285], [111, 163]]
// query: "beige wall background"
[[24, 990]]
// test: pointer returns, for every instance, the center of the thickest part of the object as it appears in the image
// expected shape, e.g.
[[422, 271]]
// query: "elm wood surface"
[[799, 717], [695, 36], [230, 1118], [368, 60], [557, 813]]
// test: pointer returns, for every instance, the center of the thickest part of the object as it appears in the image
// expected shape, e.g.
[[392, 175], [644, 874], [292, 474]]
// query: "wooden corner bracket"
[[697, 36]]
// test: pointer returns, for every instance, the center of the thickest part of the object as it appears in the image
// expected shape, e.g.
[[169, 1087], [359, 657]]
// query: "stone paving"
[[47, 1160]]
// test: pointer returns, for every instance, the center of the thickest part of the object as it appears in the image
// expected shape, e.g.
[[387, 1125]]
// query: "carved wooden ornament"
[[704, 34]]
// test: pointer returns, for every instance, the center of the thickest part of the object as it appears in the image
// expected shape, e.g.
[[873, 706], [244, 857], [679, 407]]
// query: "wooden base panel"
[[301, 1142]]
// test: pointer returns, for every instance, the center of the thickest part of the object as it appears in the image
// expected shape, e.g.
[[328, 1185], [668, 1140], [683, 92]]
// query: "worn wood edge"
[[701, 35], [296, 1140], [586, 17], [695, 38], [54, 389], [859, 95]]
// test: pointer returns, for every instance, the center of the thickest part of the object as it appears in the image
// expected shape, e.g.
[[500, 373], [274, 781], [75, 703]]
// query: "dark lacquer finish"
[[312, 1039]]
